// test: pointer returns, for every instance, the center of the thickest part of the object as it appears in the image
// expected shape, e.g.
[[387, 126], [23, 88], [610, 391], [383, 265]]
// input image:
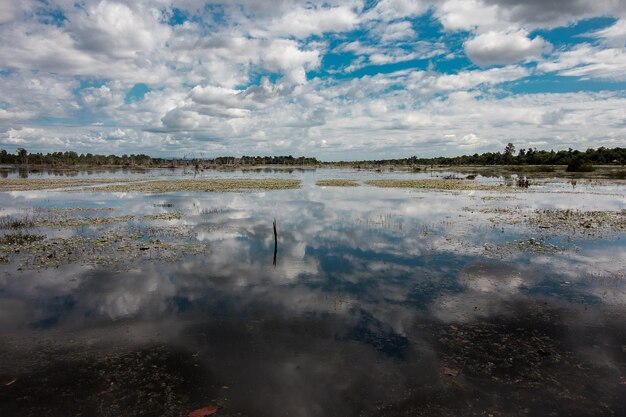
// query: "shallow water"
[[377, 302]]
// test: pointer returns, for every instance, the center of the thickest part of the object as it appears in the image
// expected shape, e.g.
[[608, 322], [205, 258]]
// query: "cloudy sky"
[[333, 79]]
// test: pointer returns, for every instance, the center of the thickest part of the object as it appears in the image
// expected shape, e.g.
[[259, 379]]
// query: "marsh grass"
[[618, 175], [337, 183], [16, 222], [65, 221], [20, 238], [437, 184], [533, 168], [208, 185], [162, 216]]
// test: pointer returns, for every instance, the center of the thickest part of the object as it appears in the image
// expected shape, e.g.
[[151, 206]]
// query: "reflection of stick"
[[275, 242]]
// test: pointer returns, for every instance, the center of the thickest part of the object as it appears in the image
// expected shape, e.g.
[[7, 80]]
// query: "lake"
[[373, 301]]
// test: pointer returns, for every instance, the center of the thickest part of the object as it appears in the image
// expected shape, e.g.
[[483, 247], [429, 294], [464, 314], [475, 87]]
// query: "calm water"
[[378, 302]]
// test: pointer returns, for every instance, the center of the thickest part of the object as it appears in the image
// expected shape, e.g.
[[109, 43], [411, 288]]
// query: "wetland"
[[161, 292]]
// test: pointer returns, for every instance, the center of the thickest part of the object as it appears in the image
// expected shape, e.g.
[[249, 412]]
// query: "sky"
[[337, 80]]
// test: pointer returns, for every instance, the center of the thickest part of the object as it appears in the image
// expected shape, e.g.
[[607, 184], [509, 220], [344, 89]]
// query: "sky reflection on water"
[[350, 319]]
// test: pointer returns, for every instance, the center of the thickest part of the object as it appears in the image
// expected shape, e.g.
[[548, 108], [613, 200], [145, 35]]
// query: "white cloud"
[[494, 48], [614, 35], [588, 61], [484, 15], [466, 14], [397, 31], [254, 80], [8, 10], [115, 30], [387, 10], [305, 22]]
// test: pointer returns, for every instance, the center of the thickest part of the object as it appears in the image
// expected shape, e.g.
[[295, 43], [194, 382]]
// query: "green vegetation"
[[16, 222], [531, 156], [20, 238], [577, 165], [337, 183], [600, 156], [618, 175]]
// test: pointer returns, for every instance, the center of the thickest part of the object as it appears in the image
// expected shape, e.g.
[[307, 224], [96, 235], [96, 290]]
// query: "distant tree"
[[509, 151], [23, 155]]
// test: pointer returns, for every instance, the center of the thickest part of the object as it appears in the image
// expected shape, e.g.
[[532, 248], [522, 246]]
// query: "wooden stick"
[[275, 242]]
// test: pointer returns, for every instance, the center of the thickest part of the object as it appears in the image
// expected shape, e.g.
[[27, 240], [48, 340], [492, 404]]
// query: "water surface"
[[377, 302]]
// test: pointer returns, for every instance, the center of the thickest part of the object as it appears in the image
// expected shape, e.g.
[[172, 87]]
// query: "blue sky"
[[333, 79]]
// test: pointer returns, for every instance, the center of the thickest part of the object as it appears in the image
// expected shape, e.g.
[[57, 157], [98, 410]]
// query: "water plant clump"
[[337, 183], [20, 238], [578, 220], [16, 222], [162, 216], [105, 250], [536, 246]]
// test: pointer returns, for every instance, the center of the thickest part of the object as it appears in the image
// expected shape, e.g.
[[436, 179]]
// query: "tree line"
[[509, 156], [530, 156]]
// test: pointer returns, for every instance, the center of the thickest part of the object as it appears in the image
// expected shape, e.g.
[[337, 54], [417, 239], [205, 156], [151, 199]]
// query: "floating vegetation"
[[576, 220], [556, 220], [437, 184], [64, 221], [337, 183], [20, 238], [110, 249], [80, 209], [29, 184], [163, 216], [535, 245], [210, 185], [498, 197], [16, 222]]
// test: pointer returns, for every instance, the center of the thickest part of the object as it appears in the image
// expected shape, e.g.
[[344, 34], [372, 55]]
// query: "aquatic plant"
[[20, 238], [16, 222]]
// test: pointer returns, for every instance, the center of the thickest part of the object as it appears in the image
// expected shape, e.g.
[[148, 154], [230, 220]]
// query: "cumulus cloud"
[[531, 14], [318, 77], [494, 48], [305, 22]]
